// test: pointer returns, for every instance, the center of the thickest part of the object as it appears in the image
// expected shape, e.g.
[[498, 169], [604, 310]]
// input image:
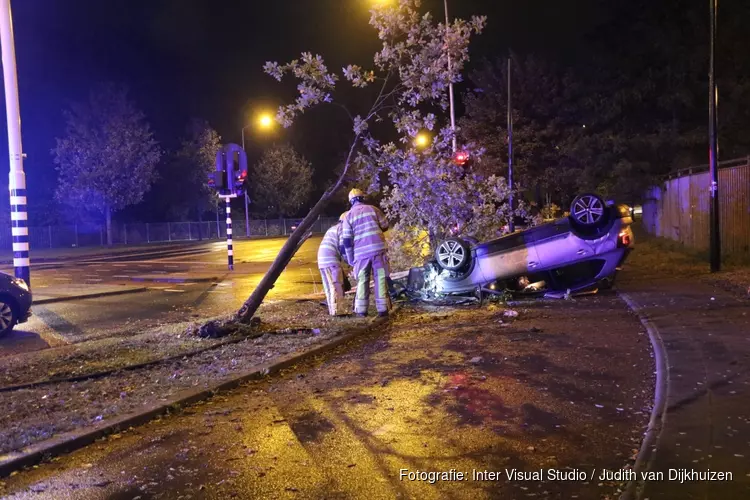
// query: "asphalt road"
[[177, 299], [566, 387]]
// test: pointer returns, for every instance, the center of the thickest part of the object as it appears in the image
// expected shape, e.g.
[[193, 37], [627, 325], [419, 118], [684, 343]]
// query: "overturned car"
[[580, 252]]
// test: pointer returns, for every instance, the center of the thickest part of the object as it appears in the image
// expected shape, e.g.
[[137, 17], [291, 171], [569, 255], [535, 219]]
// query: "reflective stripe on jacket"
[[328, 251], [363, 230]]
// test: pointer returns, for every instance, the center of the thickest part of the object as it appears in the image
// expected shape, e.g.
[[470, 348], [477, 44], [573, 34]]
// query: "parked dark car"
[[582, 250], [15, 302]]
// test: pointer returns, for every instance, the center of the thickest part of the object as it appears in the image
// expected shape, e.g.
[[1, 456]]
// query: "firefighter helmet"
[[355, 193]]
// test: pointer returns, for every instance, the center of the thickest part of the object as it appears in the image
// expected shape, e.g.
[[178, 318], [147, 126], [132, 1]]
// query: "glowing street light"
[[422, 140], [265, 121]]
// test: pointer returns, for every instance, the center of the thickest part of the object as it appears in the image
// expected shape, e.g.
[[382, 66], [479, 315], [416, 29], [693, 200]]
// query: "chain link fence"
[[93, 235]]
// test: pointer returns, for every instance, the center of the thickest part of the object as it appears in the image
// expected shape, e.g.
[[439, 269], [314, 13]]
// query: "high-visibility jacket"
[[329, 253], [362, 232]]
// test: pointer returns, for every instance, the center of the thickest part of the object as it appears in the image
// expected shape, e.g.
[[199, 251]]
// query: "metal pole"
[[450, 84], [218, 230], [148, 236], [16, 178], [715, 236], [511, 225], [230, 251], [247, 217], [169, 231]]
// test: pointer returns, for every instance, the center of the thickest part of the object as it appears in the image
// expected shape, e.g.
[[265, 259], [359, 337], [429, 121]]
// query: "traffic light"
[[217, 180], [461, 158], [239, 182]]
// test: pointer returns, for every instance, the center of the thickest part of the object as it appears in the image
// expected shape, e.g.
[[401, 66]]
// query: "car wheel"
[[8, 316], [452, 254], [588, 210]]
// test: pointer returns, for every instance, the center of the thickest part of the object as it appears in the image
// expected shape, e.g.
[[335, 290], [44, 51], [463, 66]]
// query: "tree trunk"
[[282, 259], [108, 220], [291, 246]]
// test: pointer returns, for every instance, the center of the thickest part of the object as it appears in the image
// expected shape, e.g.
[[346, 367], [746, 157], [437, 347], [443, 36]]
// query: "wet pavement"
[[566, 387], [706, 423], [178, 299]]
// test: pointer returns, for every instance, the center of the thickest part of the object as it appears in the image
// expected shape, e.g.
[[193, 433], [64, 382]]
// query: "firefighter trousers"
[[333, 284], [377, 268]]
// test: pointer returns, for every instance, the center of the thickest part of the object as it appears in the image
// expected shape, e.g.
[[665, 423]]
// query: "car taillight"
[[624, 239]]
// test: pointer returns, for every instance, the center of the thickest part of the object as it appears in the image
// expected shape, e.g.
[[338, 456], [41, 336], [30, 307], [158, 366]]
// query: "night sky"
[[201, 58]]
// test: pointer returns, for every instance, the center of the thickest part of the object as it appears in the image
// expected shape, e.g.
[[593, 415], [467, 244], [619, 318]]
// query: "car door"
[[557, 246]]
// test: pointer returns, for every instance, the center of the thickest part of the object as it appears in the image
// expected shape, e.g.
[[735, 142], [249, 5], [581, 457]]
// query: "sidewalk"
[[705, 333]]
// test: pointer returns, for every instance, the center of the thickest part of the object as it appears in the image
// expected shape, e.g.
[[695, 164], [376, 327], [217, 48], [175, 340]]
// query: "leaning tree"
[[407, 85]]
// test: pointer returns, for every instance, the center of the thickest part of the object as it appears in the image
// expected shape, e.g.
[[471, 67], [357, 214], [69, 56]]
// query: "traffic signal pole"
[[17, 178], [230, 250]]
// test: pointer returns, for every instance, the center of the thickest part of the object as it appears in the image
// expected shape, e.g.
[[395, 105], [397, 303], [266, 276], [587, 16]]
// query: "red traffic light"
[[460, 158]]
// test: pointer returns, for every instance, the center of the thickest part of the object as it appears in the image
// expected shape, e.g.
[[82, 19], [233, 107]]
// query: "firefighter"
[[365, 248], [329, 263]]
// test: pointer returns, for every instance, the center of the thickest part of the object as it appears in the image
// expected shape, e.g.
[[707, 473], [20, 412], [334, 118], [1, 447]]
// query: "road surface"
[[59, 323], [563, 387]]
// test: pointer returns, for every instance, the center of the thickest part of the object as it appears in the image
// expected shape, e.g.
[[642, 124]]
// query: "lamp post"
[[450, 83], [265, 121], [17, 177], [247, 214], [715, 235]]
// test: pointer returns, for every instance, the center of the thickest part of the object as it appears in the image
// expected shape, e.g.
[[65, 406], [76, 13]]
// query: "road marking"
[[157, 288], [119, 265], [62, 278], [173, 290], [94, 279], [120, 276]]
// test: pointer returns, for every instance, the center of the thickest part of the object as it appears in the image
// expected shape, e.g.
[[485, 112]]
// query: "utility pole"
[[715, 235], [17, 178], [450, 84], [247, 213], [511, 225]]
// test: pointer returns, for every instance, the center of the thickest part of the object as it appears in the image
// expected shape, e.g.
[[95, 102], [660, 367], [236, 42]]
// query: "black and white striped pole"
[[17, 178], [230, 250]]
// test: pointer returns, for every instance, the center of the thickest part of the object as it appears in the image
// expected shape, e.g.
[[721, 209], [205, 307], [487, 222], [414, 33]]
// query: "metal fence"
[[679, 209], [91, 235]]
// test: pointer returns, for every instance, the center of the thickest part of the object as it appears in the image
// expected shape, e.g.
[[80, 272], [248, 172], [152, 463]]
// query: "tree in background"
[[548, 120], [108, 156], [197, 157], [281, 182]]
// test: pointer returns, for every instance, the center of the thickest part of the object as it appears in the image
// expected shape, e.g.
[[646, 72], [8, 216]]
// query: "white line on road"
[[120, 276], [173, 290]]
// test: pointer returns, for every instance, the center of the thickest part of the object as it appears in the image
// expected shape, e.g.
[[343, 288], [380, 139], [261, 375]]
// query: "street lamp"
[[265, 121], [421, 140]]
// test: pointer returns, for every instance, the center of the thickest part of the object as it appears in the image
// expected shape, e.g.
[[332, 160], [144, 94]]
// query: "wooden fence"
[[679, 209]]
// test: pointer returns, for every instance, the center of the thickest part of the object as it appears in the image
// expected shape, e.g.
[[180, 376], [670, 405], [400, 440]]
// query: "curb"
[[154, 279], [73, 440], [68, 298], [635, 489]]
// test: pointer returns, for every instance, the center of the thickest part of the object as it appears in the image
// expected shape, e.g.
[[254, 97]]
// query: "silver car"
[[580, 251]]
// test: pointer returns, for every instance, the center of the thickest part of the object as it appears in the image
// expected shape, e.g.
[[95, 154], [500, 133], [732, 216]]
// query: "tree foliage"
[[197, 156], [281, 182], [107, 158]]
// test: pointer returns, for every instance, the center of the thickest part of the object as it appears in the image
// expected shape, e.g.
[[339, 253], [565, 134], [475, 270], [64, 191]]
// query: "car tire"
[[589, 211], [452, 254], [8, 315]]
